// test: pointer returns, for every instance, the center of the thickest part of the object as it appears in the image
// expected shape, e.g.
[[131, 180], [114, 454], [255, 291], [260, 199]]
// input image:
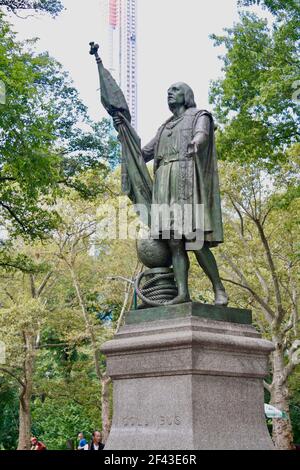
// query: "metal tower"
[[119, 46]]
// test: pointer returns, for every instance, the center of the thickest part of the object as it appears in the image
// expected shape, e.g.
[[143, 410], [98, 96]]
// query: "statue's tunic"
[[186, 182]]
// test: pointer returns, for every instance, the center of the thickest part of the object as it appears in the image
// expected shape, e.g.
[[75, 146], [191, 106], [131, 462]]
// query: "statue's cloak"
[[199, 178]]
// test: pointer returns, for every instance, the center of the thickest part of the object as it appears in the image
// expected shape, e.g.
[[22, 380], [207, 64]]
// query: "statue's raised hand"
[[94, 49]]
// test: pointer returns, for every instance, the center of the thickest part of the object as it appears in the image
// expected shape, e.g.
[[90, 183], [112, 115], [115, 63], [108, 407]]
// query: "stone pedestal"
[[188, 382]]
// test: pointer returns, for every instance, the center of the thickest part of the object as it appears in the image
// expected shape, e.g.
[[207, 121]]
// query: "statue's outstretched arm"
[[201, 135], [202, 129]]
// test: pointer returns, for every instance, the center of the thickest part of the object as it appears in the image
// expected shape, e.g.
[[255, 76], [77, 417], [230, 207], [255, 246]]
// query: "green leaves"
[[253, 102], [58, 419], [47, 142], [54, 7], [8, 415], [10, 262], [276, 7]]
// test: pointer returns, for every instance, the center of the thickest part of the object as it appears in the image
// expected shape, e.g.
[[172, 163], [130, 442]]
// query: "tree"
[[276, 7], [9, 414], [43, 145], [57, 420], [253, 102], [81, 312], [257, 137], [54, 7], [74, 239], [294, 389], [22, 317], [45, 153], [260, 260], [45, 336]]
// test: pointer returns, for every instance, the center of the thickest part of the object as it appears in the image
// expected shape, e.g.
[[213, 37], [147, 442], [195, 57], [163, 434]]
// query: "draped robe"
[[183, 180]]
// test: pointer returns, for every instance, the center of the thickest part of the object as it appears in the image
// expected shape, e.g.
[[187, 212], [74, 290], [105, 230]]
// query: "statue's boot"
[[208, 263], [221, 297]]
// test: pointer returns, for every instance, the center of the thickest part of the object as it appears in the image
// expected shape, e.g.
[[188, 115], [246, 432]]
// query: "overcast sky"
[[173, 45]]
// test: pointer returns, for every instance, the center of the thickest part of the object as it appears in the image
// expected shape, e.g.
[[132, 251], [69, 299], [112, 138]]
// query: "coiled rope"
[[154, 292]]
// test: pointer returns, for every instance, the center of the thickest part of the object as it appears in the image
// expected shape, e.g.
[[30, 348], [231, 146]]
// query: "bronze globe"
[[154, 253]]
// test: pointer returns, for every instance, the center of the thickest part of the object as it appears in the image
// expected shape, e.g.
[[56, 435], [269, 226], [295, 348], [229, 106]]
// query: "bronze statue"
[[185, 175]]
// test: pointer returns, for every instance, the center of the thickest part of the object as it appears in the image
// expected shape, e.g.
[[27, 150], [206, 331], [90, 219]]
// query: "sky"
[[173, 45]]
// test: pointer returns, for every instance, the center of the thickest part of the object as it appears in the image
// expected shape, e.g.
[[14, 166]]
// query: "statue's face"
[[176, 96]]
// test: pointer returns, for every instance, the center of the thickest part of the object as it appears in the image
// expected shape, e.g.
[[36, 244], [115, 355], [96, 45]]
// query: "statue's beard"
[[173, 107]]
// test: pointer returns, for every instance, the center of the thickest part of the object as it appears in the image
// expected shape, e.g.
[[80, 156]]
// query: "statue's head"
[[180, 94]]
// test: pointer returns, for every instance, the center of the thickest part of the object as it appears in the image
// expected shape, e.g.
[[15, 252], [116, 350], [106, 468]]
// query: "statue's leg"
[[181, 265], [209, 265]]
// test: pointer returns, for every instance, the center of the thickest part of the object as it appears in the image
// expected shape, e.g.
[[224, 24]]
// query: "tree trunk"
[[24, 424], [26, 394], [106, 418], [103, 379], [282, 428]]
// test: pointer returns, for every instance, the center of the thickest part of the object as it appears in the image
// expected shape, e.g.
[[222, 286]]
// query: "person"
[[82, 441], [37, 445], [96, 442], [186, 176]]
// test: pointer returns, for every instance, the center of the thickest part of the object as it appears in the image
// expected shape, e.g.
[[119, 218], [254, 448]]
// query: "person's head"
[[33, 441], [80, 436], [97, 437], [181, 94]]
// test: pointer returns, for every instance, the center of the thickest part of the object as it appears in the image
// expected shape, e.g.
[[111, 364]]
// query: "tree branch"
[[267, 386], [44, 283], [32, 286], [294, 360], [13, 215], [280, 310], [265, 307], [7, 178], [239, 214], [257, 271], [7, 371], [244, 284]]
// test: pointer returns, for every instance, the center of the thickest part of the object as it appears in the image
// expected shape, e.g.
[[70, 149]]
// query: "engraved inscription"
[[157, 421], [170, 421], [134, 421]]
